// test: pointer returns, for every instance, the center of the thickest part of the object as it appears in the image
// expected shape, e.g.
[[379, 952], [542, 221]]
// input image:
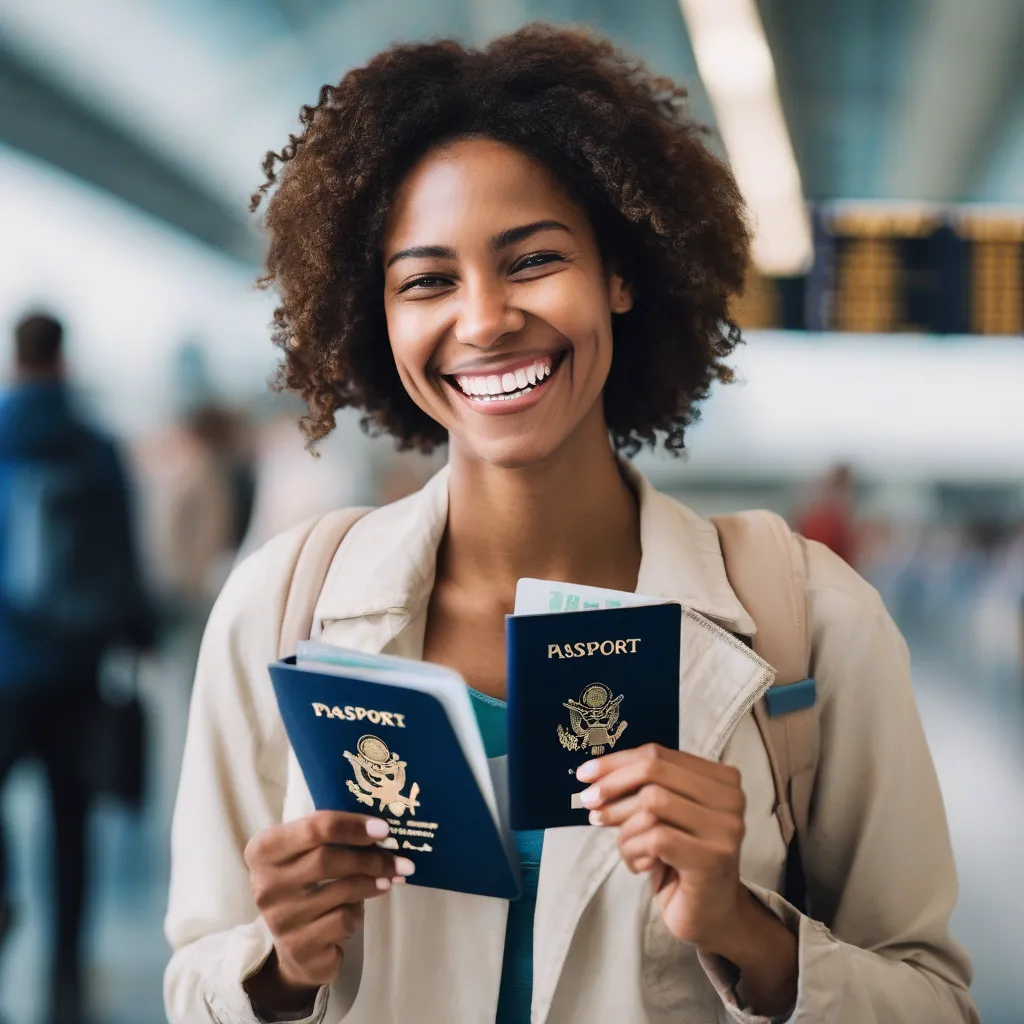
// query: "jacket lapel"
[[720, 680]]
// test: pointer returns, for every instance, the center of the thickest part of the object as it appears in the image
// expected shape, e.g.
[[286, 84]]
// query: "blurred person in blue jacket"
[[69, 588]]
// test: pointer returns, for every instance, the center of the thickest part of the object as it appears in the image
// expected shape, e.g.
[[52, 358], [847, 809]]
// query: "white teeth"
[[511, 384], [499, 398]]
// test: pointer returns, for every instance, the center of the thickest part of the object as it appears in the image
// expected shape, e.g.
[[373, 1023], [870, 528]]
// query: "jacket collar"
[[387, 562]]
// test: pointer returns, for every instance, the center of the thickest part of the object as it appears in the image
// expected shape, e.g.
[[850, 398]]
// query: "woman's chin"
[[509, 451], [514, 442]]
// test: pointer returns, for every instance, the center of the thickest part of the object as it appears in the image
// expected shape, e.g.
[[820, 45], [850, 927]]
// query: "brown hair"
[[666, 211]]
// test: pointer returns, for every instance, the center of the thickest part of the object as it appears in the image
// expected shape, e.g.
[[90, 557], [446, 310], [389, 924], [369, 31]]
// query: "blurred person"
[[829, 517], [997, 598], [69, 587], [194, 511], [289, 486], [528, 252], [225, 433]]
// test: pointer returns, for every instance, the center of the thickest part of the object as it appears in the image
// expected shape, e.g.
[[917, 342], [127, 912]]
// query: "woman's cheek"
[[410, 345], [577, 314]]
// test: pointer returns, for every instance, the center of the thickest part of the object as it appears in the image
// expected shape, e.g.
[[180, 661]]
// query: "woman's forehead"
[[473, 185]]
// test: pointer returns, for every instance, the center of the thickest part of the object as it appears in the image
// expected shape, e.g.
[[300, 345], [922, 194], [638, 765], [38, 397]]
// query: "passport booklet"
[[398, 739], [589, 671]]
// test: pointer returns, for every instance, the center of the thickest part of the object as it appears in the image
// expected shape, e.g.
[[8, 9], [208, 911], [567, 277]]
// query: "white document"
[[542, 597]]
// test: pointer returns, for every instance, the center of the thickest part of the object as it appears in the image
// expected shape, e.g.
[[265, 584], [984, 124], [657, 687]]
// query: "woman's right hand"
[[309, 878]]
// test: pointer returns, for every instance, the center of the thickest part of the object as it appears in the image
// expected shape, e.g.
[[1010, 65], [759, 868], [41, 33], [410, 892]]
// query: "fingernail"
[[595, 817], [383, 884], [404, 866], [376, 828], [585, 772], [398, 880], [590, 797]]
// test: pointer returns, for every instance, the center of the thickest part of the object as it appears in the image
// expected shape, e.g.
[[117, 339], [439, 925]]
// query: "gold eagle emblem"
[[380, 775], [592, 719]]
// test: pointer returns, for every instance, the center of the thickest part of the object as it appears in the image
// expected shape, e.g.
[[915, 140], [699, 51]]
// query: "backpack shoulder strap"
[[309, 574], [766, 566]]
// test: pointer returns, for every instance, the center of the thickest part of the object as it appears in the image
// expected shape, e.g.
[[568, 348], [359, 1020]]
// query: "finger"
[[332, 930], [591, 771], [668, 774], [641, 822], [314, 956], [313, 968], [329, 862], [726, 840], [282, 843], [289, 916], [672, 847], [662, 843], [658, 871], [672, 809]]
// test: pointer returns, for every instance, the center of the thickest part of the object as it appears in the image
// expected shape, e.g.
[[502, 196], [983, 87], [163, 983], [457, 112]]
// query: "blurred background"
[[880, 144]]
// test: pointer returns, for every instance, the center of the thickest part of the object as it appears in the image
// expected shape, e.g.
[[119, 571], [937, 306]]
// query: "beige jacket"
[[878, 857]]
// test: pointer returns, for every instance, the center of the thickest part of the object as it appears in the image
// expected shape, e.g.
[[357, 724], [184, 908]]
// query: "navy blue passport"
[[375, 736], [582, 684]]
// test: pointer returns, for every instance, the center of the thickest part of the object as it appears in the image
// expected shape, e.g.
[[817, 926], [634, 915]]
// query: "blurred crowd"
[[952, 579]]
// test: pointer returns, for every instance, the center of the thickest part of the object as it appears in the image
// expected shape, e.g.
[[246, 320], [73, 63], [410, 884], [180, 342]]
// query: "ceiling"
[[170, 104]]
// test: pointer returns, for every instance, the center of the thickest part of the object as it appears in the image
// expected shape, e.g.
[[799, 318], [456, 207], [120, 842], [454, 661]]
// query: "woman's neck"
[[571, 518]]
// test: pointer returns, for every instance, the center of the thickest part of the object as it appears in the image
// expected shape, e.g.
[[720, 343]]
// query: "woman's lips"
[[495, 399]]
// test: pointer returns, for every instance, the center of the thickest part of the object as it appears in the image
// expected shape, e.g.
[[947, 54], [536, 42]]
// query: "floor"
[[976, 733]]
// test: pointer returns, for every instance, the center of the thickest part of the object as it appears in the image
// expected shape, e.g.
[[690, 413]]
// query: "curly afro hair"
[[666, 212]]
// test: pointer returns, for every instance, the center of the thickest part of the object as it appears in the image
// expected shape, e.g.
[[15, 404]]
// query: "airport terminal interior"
[[880, 147]]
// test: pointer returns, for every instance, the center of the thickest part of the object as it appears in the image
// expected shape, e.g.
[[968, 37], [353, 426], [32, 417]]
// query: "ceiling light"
[[736, 67]]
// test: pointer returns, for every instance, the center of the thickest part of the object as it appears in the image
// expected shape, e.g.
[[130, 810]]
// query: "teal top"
[[517, 963]]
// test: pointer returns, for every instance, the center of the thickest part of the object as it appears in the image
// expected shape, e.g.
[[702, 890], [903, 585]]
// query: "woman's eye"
[[427, 281], [538, 259]]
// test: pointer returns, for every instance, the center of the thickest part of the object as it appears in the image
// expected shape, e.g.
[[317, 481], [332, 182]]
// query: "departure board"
[[996, 277], [898, 269]]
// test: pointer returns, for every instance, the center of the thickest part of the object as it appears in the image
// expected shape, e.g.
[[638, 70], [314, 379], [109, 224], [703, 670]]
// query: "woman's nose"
[[487, 315]]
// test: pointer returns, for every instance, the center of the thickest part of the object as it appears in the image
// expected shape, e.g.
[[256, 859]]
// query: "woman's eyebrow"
[[502, 240], [512, 235], [423, 252]]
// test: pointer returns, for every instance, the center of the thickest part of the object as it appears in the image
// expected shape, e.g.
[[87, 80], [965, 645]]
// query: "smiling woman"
[[627, 188], [527, 251]]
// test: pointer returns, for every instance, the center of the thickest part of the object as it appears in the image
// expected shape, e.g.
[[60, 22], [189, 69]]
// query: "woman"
[[528, 252]]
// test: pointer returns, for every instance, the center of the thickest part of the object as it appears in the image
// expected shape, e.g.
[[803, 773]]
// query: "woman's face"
[[498, 304]]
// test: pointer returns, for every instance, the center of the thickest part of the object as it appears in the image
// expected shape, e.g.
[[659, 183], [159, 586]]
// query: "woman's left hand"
[[681, 819]]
